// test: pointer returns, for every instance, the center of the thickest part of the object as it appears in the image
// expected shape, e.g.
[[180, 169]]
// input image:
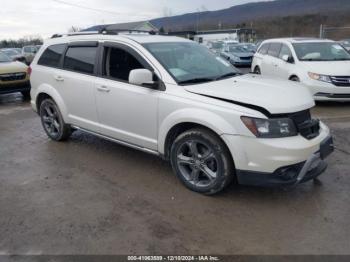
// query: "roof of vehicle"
[[297, 40], [139, 38]]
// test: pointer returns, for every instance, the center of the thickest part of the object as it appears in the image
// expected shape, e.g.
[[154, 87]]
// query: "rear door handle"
[[103, 89], [59, 78]]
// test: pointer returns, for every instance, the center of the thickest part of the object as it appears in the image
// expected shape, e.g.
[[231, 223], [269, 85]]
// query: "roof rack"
[[104, 31]]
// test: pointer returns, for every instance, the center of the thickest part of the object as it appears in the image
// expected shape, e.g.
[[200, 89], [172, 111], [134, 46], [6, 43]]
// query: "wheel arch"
[[293, 75], [180, 122], [46, 91]]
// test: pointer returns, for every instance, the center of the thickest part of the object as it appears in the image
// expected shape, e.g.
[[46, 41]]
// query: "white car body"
[[338, 89], [143, 118]]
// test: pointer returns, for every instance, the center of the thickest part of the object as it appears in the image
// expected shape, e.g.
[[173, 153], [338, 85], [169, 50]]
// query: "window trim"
[[135, 54], [60, 61], [82, 44]]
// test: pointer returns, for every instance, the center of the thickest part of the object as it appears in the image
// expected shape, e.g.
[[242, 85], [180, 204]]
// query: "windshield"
[[238, 49], [322, 51], [191, 62], [217, 45], [4, 58]]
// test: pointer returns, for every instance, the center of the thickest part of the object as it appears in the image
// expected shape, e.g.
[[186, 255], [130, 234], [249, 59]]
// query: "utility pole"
[[321, 31]]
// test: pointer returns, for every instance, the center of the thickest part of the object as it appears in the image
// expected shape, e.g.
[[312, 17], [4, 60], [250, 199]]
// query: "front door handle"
[[59, 78], [103, 89]]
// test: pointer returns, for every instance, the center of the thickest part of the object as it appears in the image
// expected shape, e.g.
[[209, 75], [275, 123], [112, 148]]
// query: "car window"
[[118, 63], [263, 49], [190, 62], [52, 56], [285, 50], [4, 58], [274, 49], [321, 51], [29, 49], [80, 59]]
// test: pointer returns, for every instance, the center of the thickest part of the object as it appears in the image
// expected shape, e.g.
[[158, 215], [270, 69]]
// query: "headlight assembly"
[[318, 77], [270, 128]]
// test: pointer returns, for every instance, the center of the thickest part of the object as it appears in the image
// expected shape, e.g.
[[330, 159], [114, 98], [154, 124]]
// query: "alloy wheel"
[[197, 163], [51, 120]]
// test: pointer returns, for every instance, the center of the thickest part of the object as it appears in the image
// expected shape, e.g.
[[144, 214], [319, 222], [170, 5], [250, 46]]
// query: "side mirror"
[[142, 77], [288, 59]]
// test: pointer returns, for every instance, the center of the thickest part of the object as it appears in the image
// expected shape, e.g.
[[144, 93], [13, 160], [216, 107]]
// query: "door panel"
[[77, 91], [127, 112]]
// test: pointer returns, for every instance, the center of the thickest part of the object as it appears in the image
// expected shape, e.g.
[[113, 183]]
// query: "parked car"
[[238, 55], [249, 46], [321, 65], [29, 53], [346, 44], [216, 47], [174, 98], [13, 76], [14, 54]]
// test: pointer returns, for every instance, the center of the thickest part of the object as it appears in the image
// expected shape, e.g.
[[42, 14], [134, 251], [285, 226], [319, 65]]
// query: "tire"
[[294, 79], [257, 70], [202, 161], [52, 121]]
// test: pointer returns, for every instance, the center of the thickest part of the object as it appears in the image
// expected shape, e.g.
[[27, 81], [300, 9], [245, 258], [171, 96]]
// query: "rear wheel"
[[202, 161], [257, 70], [52, 121]]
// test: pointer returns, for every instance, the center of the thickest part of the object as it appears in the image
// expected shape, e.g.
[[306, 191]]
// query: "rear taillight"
[[29, 70]]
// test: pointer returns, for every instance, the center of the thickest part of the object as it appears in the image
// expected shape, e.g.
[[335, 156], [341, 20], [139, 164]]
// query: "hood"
[[12, 67], [331, 68], [274, 96]]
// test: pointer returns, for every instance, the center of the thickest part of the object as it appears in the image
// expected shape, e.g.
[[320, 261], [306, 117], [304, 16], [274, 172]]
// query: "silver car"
[[238, 55]]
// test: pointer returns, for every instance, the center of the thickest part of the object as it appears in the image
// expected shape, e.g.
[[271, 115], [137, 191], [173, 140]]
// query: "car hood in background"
[[331, 68], [275, 96], [12, 67], [241, 54]]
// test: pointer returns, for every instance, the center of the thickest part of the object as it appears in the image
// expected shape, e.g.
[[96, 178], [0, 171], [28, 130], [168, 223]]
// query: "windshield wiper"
[[227, 75], [197, 80]]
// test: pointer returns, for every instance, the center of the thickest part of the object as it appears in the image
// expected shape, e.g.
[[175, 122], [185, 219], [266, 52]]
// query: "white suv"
[[173, 98], [321, 65]]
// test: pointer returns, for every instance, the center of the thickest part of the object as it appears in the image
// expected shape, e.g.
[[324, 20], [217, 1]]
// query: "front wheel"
[[257, 71], [53, 122], [202, 161], [294, 79]]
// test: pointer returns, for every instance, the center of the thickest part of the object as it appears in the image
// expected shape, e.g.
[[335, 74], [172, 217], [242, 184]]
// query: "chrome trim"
[[146, 150]]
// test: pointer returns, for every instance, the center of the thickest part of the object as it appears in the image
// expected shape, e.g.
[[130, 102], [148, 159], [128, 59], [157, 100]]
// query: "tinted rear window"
[[274, 49], [52, 56], [80, 59]]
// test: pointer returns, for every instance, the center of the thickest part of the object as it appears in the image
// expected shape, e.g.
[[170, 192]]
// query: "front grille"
[[307, 127], [12, 77], [341, 80], [246, 58]]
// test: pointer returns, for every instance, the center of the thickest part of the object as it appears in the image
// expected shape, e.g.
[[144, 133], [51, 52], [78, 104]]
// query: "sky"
[[44, 18]]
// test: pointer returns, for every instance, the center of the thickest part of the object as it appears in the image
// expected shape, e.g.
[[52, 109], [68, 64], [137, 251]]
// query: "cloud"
[[46, 17]]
